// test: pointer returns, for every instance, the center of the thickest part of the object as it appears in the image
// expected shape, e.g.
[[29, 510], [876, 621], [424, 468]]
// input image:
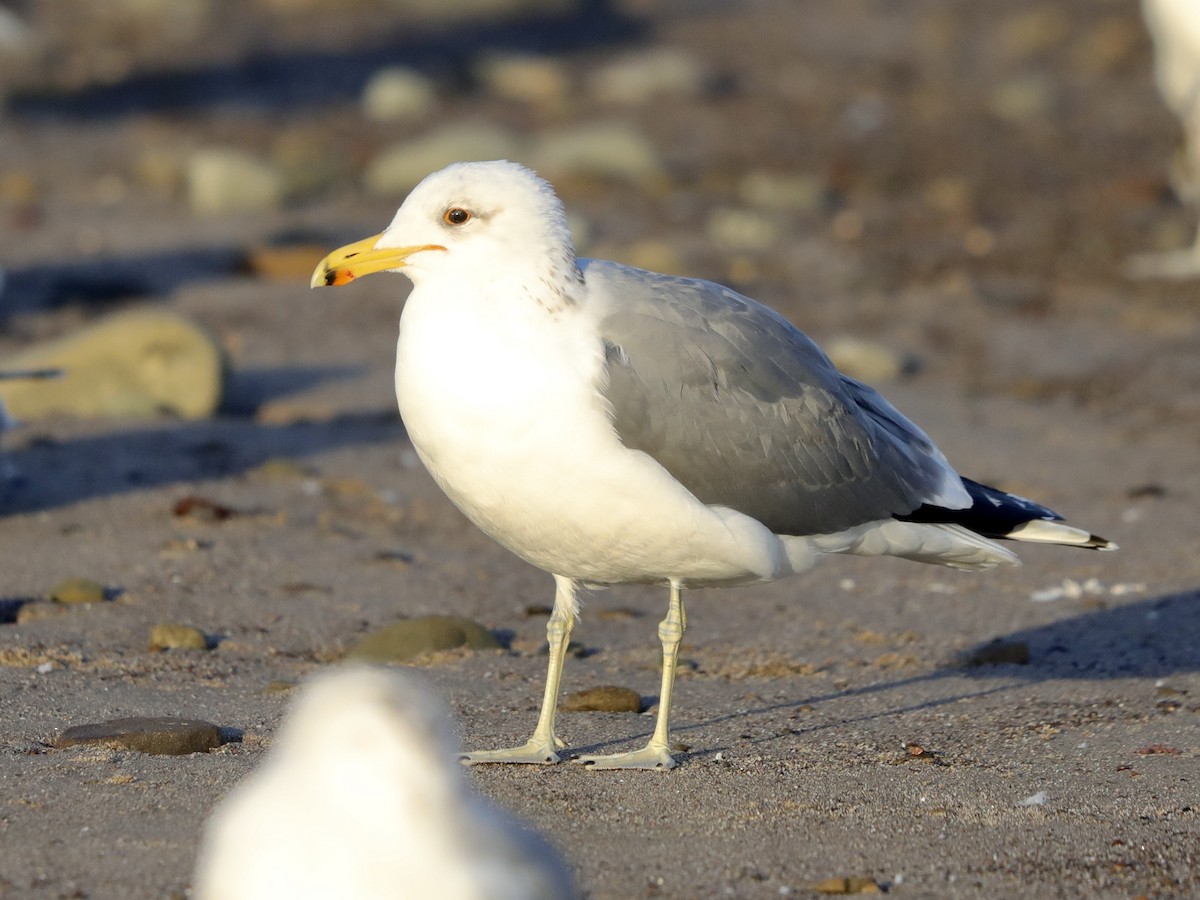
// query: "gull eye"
[[456, 215]]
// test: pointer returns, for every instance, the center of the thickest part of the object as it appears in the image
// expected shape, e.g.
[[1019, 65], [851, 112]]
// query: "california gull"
[[611, 425]]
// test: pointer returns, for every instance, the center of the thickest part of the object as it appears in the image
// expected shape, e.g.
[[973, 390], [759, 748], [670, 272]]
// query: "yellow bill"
[[362, 258]]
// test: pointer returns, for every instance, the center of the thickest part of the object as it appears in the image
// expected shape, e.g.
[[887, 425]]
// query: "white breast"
[[503, 409]]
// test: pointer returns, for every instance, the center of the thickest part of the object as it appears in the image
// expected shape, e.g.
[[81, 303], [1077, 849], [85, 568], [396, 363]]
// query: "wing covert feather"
[[746, 411]]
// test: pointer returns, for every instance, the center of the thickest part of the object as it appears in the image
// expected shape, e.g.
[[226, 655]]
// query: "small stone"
[[866, 360], [170, 636], [791, 193], [224, 180], [999, 652], [279, 686], [1023, 98], [853, 885], [654, 254], [78, 590], [536, 80], [202, 509], [408, 639], [741, 229], [136, 364], [161, 735], [39, 610], [645, 76], [599, 149], [398, 94], [606, 698], [289, 262], [398, 169]]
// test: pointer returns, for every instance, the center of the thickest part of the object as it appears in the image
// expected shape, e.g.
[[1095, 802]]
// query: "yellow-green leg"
[[542, 747], [657, 753]]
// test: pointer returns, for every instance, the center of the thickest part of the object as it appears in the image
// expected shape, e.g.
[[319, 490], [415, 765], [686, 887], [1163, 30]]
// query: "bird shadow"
[[264, 80], [1151, 639]]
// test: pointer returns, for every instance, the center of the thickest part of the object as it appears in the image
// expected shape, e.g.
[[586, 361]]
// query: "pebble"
[[284, 262], [866, 360], [606, 698], [408, 639], [792, 193], [77, 590], [649, 75], [39, 610], [1023, 98], [605, 149], [741, 229], [398, 94], [536, 80], [136, 364], [171, 636], [163, 735], [396, 170], [224, 180], [852, 885], [999, 652]]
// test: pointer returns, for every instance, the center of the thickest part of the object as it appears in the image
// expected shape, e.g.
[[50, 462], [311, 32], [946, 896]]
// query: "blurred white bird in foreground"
[[360, 798], [1174, 26]]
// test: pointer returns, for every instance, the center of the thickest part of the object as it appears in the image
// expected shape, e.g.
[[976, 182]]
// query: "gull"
[[611, 425], [360, 798], [1174, 27]]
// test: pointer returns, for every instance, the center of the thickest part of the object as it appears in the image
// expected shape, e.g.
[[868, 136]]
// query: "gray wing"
[[746, 411]]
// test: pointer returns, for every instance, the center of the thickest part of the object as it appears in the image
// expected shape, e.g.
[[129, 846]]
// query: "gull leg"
[[542, 746], [657, 753]]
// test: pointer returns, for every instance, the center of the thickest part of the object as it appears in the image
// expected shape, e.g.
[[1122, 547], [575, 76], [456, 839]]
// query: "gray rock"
[[606, 149], [398, 169], [224, 180], [157, 734], [398, 94], [645, 76], [408, 639], [136, 364]]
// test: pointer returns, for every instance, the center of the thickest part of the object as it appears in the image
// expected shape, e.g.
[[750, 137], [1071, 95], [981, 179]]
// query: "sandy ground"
[[1042, 370]]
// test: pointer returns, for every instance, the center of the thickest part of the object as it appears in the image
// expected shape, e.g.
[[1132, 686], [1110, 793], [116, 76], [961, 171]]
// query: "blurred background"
[[951, 188]]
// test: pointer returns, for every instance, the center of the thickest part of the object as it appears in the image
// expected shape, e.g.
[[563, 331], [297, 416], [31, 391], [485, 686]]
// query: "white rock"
[[398, 169], [139, 363], [865, 360], [741, 229], [397, 94], [767, 190], [360, 796], [537, 80], [223, 180], [608, 149], [649, 75]]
